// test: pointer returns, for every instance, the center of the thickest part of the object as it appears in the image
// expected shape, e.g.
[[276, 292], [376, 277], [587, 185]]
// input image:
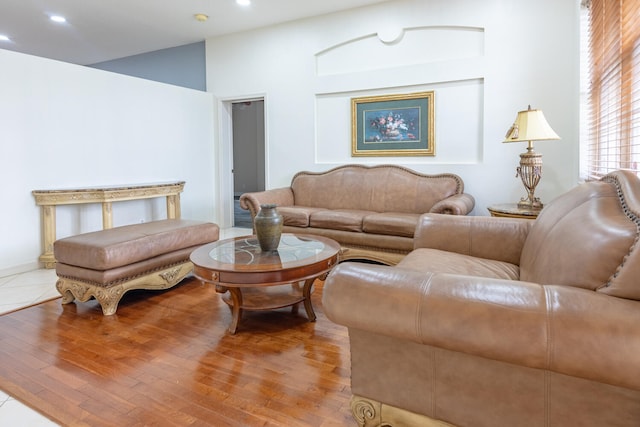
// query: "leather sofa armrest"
[[568, 330], [458, 204], [252, 201], [499, 239], [498, 319]]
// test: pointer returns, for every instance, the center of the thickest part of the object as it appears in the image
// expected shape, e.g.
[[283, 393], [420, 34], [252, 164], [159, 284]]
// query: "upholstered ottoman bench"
[[105, 264]]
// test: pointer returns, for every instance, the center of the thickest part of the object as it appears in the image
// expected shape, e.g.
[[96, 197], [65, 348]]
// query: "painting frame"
[[393, 125]]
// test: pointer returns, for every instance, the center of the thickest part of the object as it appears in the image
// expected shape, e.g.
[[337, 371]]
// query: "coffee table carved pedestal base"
[[250, 279]]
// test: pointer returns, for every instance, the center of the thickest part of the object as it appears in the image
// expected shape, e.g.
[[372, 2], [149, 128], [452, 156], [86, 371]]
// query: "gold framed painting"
[[393, 125]]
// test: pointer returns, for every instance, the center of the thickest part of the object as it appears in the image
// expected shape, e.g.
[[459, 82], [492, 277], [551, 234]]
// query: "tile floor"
[[22, 290]]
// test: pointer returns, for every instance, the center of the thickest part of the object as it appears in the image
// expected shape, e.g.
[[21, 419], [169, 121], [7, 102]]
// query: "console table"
[[49, 199]]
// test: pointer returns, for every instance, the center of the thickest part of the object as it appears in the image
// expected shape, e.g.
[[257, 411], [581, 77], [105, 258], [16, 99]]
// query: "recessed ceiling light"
[[58, 18], [243, 2], [4, 38]]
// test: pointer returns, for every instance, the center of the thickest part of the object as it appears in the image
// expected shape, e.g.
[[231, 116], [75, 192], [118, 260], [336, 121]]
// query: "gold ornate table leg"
[[173, 206], [306, 292], [48, 235], [107, 216]]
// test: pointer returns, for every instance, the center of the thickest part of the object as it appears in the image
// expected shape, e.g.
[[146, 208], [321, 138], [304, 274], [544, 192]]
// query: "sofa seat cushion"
[[391, 223], [429, 260], [297, 216], [129, 244], [339, 219]]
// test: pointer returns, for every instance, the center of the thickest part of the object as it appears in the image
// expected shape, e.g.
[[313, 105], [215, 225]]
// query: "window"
[[612, 110]]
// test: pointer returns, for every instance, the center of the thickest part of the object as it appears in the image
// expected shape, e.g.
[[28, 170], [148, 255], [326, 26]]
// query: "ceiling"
[[102, 30]]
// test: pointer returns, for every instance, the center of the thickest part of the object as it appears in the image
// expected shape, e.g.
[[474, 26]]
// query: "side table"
[[511, 210]]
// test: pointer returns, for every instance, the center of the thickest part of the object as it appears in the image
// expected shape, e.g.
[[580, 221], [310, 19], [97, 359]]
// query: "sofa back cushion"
[[382, 188], [588, 238]]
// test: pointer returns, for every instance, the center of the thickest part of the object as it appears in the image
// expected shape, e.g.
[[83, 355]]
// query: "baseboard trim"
[[19, 269]]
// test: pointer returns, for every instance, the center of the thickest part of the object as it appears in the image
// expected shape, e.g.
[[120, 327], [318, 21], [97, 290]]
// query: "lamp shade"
[[530, 125]]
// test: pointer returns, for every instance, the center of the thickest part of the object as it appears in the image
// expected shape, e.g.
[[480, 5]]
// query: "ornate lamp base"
[[530, 171]]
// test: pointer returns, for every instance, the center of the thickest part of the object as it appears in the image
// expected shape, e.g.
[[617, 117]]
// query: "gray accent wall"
[[181, 66]]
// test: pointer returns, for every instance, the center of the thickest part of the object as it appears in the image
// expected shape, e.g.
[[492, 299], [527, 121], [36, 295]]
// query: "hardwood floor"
[[164, 359]]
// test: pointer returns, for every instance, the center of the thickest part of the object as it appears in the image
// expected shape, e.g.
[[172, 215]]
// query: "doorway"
[[248, 154]]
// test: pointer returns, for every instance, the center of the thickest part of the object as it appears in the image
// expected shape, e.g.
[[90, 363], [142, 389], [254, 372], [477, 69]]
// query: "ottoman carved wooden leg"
[[109, 295]]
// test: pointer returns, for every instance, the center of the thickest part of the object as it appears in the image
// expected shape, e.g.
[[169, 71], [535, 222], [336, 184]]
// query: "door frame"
[[225, 154]]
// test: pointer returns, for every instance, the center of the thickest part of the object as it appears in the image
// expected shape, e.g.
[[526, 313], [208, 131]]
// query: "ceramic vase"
[[268, 226]]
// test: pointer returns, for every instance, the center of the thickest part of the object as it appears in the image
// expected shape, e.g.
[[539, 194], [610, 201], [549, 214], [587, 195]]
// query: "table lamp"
[[530, 125]]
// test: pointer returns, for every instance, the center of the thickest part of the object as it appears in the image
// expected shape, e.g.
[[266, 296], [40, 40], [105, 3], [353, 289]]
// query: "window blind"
[[614, 91]]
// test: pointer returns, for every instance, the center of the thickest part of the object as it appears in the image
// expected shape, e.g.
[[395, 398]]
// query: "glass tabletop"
[[242, 253]]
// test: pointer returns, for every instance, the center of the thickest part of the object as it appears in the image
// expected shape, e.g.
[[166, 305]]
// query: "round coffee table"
[[251, 277]]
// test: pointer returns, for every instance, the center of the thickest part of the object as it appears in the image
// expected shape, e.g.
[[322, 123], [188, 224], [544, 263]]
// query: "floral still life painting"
[[393, 125]]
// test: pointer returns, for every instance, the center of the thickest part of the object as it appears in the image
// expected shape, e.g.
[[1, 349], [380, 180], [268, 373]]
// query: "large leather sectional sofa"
[[502, 321], [371, 211]]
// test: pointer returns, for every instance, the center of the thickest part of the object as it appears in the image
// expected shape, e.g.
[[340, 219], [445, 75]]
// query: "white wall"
[[68, 126], [485, 61]]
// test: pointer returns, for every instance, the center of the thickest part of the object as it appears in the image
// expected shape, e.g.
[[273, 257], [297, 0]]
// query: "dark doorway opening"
[[248, 155]]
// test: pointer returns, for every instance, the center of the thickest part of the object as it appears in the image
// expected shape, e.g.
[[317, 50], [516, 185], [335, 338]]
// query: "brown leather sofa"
[[501, 321], [371, 211]]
